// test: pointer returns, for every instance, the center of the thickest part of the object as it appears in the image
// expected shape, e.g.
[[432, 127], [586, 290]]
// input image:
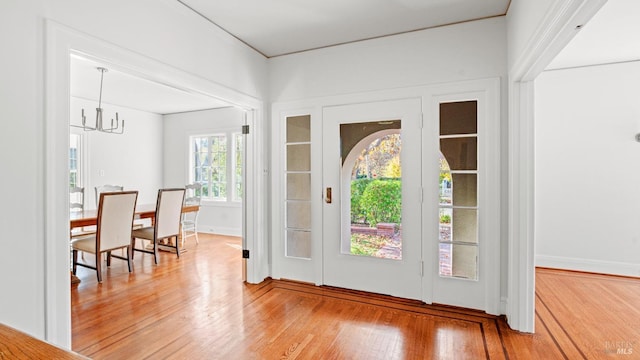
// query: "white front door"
[[372, 240]]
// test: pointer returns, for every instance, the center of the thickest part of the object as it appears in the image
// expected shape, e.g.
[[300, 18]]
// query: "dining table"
[[143, 211]]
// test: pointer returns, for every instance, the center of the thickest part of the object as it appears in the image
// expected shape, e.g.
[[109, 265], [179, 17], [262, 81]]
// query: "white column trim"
[[556, 29], [521, 269]]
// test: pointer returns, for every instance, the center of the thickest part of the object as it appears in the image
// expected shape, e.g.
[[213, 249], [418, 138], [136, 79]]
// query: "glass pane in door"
[[372, 172], [298, 243], [458, 223], [298, 187]]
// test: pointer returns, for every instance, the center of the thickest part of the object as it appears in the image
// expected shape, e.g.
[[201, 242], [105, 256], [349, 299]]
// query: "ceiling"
[[122, 89], [612, 35], [278, 27]]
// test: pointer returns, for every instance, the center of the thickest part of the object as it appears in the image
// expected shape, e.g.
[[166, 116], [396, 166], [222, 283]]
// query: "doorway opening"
[[215, 157], [62, 44]]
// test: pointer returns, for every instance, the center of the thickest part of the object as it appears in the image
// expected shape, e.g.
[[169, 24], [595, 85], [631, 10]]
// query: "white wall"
[[523, 19], [21, 194], [215, 217], [588, 169], [162, 30], [132, 159], [472, 50], [167, 31]]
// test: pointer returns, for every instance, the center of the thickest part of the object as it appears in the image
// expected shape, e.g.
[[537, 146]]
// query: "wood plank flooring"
[[197, 307]]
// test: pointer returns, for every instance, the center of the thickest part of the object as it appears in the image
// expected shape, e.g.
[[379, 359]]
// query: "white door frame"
[[60, 42]]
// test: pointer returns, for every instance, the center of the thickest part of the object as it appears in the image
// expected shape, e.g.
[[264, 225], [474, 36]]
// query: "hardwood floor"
[[590, 316], [197, 307]]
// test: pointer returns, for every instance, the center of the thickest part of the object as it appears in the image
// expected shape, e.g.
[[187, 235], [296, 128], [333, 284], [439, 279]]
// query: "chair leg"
[[75, 260], [129, 257], [133, 245], [99, 266], [195, 227], [155, 251], [177, 247], [108, 258]]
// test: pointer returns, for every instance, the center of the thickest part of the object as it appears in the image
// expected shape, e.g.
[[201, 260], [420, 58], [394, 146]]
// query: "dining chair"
[[138, 223], [106, 188], [76, 203], [193, 196], [76, 198], [166, 224], [113, 231]]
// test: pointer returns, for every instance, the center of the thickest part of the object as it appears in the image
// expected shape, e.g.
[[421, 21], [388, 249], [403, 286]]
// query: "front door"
[[372, 197]]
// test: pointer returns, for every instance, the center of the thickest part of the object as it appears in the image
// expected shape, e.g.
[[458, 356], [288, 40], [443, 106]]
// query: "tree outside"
[[380, 159]]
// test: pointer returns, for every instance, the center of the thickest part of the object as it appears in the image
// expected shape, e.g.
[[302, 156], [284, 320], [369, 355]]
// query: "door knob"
[[327, 197]]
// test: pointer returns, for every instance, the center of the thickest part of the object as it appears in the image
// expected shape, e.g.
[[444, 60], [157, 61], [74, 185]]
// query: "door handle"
[[327, 197]]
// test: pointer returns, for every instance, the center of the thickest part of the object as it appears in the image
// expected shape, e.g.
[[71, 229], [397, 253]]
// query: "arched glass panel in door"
[[375, 197]]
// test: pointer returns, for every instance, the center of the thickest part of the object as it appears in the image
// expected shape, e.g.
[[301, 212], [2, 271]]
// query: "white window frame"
[[235, 136], [231, 196], [81, 178]]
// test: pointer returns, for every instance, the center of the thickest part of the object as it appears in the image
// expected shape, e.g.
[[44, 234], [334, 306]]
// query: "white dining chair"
[[76, 198], [166, 224], [113, 231], [76, 203], [193, 196], [138, 223], [106, 188]]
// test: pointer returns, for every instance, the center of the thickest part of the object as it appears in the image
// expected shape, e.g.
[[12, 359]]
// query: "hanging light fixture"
[[115, 128]]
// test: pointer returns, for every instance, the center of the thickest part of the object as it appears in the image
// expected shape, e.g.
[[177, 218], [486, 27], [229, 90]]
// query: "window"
[[217, 165], [237, 175], [74, 160]]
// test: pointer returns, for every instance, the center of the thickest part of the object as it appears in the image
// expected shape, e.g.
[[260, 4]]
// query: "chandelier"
[[115, 128]]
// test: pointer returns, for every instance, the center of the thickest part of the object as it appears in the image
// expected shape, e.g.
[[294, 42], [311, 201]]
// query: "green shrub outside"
[[381, 201], [357, 189], [445, 219]]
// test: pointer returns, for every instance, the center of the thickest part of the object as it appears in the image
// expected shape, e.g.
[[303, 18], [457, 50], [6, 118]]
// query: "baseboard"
[[228, 231], [503, 305], [587, 265]]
